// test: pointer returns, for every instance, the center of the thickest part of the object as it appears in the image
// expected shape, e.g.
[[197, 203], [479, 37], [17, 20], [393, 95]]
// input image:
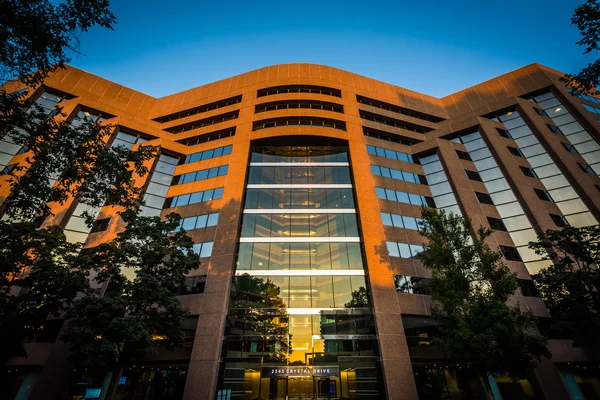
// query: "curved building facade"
[[301, 187]]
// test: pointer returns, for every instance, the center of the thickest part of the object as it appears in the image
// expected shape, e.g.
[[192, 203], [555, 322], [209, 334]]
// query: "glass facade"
[[300, 321]]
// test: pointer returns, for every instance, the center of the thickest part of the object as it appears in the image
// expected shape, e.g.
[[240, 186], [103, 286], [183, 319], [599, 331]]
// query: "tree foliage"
[[142, 269], [37, 37], [56, 272], [470, 288], [587, 20], [77, 155], [570, 287]]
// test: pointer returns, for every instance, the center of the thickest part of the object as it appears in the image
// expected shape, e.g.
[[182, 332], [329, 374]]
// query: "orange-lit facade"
[[344, 164]]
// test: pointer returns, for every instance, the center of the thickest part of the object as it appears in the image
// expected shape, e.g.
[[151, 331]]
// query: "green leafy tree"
[[587, 20], [77, 155], [40, 272], [143, 269], [470, 287], [56, 271], [39, 36], [570, 287], [360, 298]]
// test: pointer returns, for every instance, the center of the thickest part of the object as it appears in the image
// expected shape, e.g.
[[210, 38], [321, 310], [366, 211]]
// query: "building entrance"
[[303, 388]]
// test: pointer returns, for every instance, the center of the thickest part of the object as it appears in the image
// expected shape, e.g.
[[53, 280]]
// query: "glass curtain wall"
[[300, 321]]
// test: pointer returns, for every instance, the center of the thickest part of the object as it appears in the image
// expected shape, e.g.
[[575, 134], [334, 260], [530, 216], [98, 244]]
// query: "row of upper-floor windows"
[[301, 198], [401, 221], [299, 225], [314, 122], [397, 109], [194, 198], [200, 109], [296, 255], [208, 137], [394, 155], [403, 250], [292, 104], [389, 137], [418, 285], [393, 122], [200, 175], [404, 197], [299, 175], [198, 222], [216, 119], [206, 154], [299, 89], [398, 174]]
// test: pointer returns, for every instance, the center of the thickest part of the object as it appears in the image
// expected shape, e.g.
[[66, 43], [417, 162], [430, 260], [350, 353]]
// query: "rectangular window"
[[559, 220], [542, 195], [541, 112], [8, 169], [408, 284], [194, 285], [496, 224], [555, 129], [514, 151], [484, 198], [570, 148], [504, 133], [463, 155], [528, 172], [528, 288], [586, 168], [510, 253], [203, 249], [100, 225], [472, 175]]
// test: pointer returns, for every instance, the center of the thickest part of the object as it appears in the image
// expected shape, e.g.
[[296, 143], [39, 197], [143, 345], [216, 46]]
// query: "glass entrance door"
[[326, 388]]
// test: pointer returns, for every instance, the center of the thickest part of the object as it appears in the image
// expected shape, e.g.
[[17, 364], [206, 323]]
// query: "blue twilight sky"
[[434, 47]]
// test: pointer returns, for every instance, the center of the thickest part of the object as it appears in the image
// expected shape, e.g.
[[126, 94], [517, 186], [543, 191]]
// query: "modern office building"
[[302, 187]]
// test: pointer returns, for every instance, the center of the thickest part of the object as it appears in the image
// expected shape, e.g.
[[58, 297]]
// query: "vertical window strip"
[[512, 215], [578, 136], [441, 190], [160, 181]]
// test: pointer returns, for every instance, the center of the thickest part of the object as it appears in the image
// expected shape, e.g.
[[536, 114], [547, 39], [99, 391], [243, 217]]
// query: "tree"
[[360, 298], [56, 272], [570, 287], [587, 20], [40, 272], [143, 269], [470, 288], [37, 37]]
